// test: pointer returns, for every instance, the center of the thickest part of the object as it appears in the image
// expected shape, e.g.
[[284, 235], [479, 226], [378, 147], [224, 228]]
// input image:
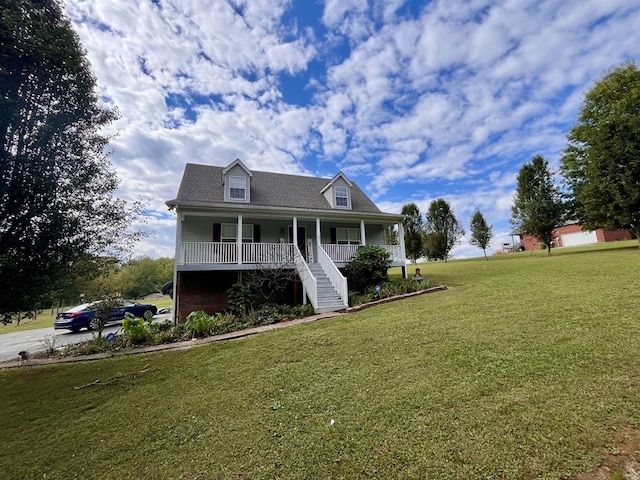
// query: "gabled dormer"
[[236, 179], [338, 192]]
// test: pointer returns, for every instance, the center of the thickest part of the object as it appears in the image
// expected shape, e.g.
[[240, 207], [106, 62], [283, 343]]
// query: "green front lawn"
[[527, 367]]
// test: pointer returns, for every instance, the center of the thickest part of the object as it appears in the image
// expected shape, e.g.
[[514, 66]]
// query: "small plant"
[[136, 330], [225, 323], [239, 298], [199, 324], [103, 309], [49, 343]]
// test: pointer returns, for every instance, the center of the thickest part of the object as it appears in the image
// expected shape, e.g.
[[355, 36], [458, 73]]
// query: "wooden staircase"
[[328, 298]]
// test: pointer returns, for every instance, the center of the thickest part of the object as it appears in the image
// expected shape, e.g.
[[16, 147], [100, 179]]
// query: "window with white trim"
[[237, 187], [228, 232], [348, 236], [342, 196]]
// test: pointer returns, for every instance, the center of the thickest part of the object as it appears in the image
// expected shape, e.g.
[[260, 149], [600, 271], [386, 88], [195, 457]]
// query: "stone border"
[[186, 344]]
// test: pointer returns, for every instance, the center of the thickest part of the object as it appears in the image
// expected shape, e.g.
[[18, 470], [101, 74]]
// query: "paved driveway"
[[35, 340]]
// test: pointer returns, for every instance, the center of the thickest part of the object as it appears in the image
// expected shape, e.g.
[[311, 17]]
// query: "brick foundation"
[[207, 291]]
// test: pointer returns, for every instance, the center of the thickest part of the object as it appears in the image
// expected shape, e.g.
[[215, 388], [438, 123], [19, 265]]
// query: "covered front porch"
[[238, 242], [248, 254]]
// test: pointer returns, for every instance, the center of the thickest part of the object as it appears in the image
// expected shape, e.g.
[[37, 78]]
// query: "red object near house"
[[572, 235]]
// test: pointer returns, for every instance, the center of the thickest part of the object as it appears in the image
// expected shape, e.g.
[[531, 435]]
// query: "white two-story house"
[[232, 220]]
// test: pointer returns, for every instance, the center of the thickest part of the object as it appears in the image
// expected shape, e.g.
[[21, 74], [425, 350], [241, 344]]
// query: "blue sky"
[[412, 100]]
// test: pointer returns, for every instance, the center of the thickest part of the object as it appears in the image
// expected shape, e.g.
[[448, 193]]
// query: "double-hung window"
[[342, 196], [348, 236], [228, 232], [237, 188]]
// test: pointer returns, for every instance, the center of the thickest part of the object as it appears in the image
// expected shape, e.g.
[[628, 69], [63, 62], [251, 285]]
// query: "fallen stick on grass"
[[114, 378]]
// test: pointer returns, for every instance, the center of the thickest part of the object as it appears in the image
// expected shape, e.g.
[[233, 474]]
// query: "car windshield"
[[80, 308]]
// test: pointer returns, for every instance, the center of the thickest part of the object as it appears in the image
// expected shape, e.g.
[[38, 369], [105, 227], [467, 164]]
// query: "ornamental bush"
[[367, 268]]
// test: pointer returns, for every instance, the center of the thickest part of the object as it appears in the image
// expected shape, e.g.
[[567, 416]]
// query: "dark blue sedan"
[[83, 315]]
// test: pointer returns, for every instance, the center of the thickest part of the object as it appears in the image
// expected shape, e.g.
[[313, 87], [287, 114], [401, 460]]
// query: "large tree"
[[537, 208], [412, 224], [442, 228], [57, 184], [601, 165], [481, 232]]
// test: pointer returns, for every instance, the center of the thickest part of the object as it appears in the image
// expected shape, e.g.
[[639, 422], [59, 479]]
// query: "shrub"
[[368, 267], [224, 323], [239, 298]]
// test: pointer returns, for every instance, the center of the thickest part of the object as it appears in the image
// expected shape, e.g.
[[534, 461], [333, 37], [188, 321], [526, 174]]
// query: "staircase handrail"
[[336, 278], [308, 280]]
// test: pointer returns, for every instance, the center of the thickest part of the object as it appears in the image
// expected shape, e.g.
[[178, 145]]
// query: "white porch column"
[[318, 236], [363, 238], [239, 239], [295, 231], [401, 241]]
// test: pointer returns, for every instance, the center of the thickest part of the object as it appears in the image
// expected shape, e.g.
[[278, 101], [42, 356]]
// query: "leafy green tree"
[[481, 232], [57, 184], [368, 267], [442, 228], [538, 208], [432, 246], [412, 224], [601, 165], [145, 275], [390, 236]]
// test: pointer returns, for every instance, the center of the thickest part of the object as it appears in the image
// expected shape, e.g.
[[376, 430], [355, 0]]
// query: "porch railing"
[[265, 253], [340, 253], [209, 252], [219, 252], [344, 253], [336, 278], [273, 253], [309, 282]]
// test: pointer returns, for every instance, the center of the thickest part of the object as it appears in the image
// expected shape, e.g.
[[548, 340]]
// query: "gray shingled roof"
[[202, 186]]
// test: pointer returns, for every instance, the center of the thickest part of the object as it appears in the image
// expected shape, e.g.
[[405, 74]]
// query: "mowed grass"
[[45, 318], [527, 367]]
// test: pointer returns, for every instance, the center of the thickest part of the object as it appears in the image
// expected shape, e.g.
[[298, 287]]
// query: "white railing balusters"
[[336, 278]]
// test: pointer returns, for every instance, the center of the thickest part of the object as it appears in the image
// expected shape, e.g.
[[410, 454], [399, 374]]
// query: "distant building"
[[572, 235]]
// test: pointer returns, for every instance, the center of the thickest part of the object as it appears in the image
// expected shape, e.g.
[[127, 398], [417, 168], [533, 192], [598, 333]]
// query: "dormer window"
[[236, 179], [338, 192], [237, 188], [342, 196]]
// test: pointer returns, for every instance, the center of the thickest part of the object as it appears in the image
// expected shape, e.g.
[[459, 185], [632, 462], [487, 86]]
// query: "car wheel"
[[94, 323], [148, 313]]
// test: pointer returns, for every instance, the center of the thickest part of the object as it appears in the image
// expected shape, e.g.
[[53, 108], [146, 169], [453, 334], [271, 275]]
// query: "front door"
[[302, 239]]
